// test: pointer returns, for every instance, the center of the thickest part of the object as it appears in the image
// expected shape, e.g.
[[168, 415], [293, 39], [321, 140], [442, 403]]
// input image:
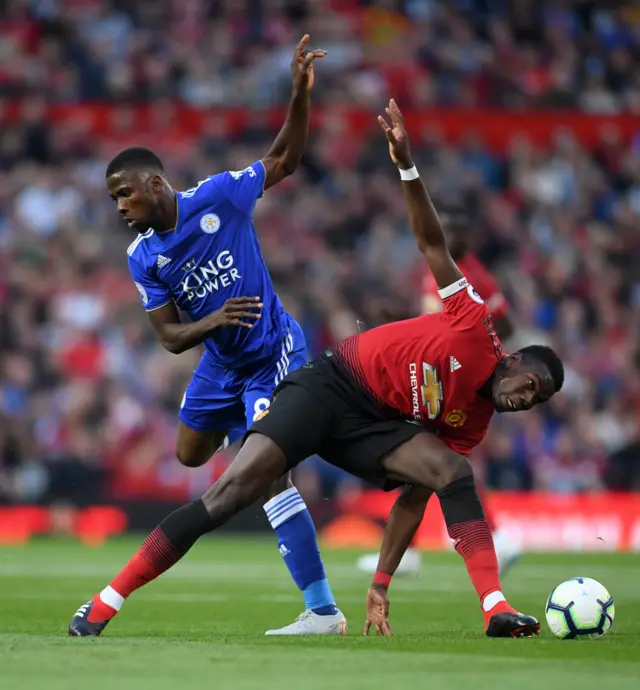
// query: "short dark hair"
[[136, 157], [549, 358]]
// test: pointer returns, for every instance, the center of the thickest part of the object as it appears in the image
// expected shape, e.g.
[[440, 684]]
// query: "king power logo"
[[215, 275]]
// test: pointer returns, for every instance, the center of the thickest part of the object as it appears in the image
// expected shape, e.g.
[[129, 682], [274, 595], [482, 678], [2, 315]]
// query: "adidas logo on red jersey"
[[455, 365]]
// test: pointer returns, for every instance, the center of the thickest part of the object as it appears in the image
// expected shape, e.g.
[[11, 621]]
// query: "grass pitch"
[[202, 625]]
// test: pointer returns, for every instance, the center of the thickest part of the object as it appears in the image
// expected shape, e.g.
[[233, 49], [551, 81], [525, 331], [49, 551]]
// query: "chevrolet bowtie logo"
[[189, 266]]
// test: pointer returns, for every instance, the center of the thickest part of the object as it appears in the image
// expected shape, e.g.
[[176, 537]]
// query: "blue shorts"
[[221, 399]]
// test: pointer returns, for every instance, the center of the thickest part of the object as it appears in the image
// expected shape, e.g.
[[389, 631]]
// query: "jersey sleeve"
[[463, 307], [243, 187], [153, 293]]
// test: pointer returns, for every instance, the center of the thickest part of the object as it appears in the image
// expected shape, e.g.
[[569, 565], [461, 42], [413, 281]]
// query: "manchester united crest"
[[456, 418]]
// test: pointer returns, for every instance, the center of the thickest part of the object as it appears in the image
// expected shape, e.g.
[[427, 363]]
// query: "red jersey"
[[430, 369], [484, 283]]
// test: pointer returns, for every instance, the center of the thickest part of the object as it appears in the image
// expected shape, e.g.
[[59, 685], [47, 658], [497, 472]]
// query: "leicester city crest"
[[210, 223]]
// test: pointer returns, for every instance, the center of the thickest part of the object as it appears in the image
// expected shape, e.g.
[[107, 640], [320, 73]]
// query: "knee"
[[258, 464], [220, 499], [188, 458], [453, 467], [196, 454], [229, 495]]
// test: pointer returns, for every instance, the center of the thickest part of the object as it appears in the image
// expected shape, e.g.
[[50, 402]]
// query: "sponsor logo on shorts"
[[456, 418]]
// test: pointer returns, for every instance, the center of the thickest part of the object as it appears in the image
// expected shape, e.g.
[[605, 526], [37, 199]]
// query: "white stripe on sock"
[[273, 503], [111, 598], [287, 515], [285, 501], [284, 506], [492, 599], [275, 514]]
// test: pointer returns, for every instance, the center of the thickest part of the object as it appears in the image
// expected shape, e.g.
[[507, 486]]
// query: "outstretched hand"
[[302, 64], [397, 136], [378, 611]]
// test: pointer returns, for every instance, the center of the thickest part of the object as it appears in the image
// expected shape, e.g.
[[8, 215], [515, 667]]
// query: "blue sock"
[[297, 543]]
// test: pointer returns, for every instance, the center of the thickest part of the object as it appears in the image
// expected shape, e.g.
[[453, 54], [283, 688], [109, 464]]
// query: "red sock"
[[473, 541], [156, 555], [488, 515]]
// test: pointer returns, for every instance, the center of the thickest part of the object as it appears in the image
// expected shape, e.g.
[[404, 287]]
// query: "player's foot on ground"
[[508, 550], [91, 618], [409, 565], [503, 621], [310, 623]]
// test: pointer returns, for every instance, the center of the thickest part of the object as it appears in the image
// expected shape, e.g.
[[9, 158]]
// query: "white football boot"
[[310, 623]]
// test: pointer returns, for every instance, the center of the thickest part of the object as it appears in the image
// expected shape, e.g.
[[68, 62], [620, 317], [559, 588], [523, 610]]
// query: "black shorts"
[[319, 409]]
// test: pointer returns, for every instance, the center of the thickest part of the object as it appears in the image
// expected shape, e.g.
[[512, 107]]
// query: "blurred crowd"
[[89, 400], [509, 53]]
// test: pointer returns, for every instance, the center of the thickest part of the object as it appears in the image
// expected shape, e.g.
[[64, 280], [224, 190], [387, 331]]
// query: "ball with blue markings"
[[580, 607]]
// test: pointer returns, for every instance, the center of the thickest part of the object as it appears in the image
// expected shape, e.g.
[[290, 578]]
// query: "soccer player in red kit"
[[400, 406], [460, 240]]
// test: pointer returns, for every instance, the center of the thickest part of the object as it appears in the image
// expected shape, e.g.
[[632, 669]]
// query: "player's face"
[[522, 387], [137, 195]]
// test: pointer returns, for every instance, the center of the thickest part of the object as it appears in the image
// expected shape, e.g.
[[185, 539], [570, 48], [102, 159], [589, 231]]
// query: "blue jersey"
[[211, 255]]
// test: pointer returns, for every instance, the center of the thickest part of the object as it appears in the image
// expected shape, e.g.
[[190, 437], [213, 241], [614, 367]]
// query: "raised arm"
[[287, 149], [424, 219]]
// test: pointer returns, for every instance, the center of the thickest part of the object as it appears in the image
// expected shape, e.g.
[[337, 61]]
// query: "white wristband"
[[407, 175]]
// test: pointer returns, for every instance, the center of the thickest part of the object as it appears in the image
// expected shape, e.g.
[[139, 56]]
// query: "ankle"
[[100, 611], [493, 599], [501, 606]]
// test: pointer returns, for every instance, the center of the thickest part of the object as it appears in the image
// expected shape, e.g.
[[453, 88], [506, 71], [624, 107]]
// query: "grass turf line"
[[203, 624]]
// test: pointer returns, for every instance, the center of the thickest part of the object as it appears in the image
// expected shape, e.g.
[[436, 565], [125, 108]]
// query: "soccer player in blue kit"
[[197, 251]]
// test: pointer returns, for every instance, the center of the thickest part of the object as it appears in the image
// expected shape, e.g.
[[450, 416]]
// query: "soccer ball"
[[579, 607]]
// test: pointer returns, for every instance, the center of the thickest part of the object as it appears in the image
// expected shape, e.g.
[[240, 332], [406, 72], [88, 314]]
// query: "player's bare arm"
[[424, 219], [178, 337], [287, 149], [404, 520]]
